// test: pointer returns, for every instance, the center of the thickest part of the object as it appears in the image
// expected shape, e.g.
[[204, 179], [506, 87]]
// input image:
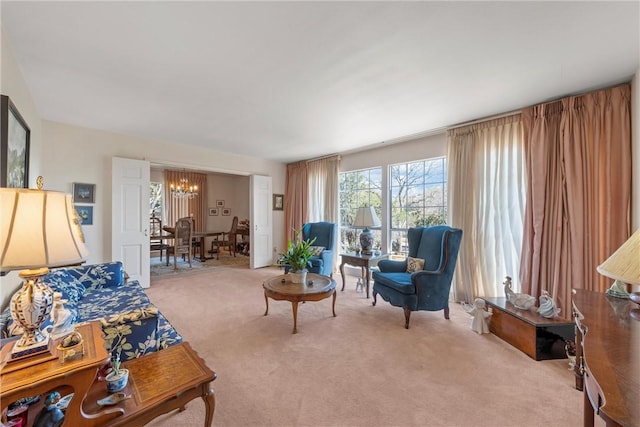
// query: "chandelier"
[[183, 190]]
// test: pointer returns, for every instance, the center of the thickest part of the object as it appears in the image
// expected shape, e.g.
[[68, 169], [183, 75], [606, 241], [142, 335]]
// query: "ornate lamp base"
[[366, 241], [30, 306]]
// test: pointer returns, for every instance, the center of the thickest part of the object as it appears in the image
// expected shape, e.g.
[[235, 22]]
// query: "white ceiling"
[[296, 80]]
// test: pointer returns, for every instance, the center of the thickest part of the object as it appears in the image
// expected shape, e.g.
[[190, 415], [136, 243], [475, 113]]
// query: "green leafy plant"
[[298, 253]]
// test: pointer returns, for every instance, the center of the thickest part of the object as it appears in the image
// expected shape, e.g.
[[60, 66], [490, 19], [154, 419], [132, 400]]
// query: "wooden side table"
[[362, 261], [158, 383], [43, 374]]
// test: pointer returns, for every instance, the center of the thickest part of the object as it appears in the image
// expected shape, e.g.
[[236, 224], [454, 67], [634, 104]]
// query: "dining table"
[[202, 235]]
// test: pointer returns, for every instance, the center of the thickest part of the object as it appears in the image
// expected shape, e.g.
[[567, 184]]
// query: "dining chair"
[[155, 229], [230, 238], [182, 242]]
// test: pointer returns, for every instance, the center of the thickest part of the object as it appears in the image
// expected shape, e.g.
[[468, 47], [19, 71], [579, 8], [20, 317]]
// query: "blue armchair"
[[325, 235], [428, 287]]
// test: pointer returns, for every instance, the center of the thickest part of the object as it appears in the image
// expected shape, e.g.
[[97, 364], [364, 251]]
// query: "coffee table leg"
[[342, 274], [334, 303], [294, 306], [266, 301]]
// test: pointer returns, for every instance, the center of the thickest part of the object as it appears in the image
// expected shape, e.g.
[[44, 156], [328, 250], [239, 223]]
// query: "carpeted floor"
[[160, 269], [361, 368]]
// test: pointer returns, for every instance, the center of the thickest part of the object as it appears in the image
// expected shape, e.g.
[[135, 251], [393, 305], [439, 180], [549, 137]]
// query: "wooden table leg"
[[294, 306], [334, 303], [266, 301], [368, 279], [210, 404], [342, 274]]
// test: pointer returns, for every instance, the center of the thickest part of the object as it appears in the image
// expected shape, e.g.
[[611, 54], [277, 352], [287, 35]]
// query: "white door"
[[130, 217], [261, 220]]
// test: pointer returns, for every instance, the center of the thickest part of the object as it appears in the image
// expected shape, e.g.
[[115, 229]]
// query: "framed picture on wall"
[[86, 214], [14, 146], [84, 193], [278, 202], [226, 211], [213, 211], [220, 203]]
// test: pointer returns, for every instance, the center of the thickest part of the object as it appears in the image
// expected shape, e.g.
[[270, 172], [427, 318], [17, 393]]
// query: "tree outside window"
[[357, 189], [155, 199], [418, 194]]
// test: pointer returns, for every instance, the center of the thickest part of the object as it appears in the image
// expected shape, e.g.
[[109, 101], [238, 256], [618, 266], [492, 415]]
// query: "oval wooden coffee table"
[[281, 289]]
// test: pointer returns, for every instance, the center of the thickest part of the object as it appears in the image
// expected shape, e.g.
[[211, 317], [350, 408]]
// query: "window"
[[155, 199], [358, 188], [418, 195]]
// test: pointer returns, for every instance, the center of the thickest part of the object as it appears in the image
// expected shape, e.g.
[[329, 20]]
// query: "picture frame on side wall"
[[86, 214], [213, 211], [14, 146], [278, 202], [84, 193], [226, 211], [220, 203]]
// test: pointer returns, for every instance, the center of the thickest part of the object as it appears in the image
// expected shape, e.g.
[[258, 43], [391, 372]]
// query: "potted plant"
[[297, 257], [117, 378]]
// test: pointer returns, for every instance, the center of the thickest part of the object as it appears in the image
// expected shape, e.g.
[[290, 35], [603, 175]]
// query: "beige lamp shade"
[[38, 229], [366, 217], [624, 264]]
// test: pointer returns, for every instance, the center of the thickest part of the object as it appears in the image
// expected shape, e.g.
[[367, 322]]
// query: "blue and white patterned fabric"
[[132, 325]]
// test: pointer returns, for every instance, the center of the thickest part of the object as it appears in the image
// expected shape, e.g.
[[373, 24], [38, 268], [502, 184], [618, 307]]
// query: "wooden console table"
[[607, 358], [528, 331], [43, 374]]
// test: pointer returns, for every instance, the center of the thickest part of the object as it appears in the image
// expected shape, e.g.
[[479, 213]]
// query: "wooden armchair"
[[182, 242]]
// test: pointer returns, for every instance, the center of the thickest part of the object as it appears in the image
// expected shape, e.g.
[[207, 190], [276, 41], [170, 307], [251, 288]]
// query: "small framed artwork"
[[86, 214], [14, 146], [226, 211], [278, 202], [213, 211], [84, 193], [220, 203]]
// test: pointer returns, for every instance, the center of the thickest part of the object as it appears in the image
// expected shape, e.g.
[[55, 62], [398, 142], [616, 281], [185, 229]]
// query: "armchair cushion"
[[414, 264]]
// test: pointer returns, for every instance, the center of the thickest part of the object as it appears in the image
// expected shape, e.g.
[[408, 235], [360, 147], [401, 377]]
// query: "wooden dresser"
[[608, 358]]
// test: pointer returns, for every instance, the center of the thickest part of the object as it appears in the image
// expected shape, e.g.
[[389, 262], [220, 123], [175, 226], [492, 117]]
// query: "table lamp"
[[366, 217], [624, 265], [38, 229]]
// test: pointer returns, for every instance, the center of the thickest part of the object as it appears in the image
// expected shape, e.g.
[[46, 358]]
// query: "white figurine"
[[61, 317], [522, 301], [547, 307], [479, 323]]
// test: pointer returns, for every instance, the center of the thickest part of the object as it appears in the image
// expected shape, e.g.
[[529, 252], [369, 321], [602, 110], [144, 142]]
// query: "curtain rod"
[[484, 119]]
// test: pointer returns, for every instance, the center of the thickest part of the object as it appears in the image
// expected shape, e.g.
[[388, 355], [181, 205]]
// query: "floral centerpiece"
[[297, 257]]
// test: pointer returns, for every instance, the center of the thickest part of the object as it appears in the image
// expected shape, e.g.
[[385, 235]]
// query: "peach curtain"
[[578, 152], [178, 208], [295, 198]]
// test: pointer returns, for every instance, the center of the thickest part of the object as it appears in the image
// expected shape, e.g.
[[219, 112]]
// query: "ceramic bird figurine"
[[521, 301], [547, 307]]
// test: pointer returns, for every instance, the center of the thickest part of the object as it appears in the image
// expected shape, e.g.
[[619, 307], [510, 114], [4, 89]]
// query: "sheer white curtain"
[[486, 199], [322, 175]]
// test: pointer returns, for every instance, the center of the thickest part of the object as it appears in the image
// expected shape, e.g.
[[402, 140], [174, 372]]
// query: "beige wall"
[[76, 154], [13, 85]]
